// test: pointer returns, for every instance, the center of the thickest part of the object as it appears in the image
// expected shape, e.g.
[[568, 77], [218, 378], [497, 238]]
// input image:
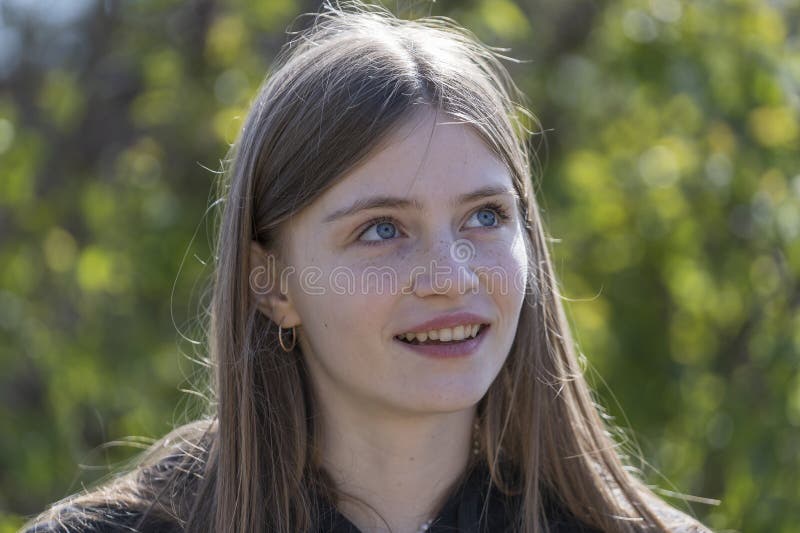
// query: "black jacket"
[[461, 513]]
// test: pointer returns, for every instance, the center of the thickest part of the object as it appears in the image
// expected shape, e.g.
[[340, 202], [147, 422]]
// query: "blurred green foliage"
[[671, 187]]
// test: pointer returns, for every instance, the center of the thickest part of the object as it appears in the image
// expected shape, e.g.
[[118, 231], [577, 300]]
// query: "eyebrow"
[[396, 202]]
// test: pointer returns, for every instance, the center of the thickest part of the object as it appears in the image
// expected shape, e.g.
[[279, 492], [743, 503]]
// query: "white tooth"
[[475, 328], [422, 337], [433, 335], [458, 333], [446, 335], [410, 336]]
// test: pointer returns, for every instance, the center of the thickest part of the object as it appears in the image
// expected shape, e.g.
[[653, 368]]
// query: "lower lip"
[[443, 351]]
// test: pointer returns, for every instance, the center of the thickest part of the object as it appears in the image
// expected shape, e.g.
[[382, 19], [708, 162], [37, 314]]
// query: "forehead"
[[430, 158]]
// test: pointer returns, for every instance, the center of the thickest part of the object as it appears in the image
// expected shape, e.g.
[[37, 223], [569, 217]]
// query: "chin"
[[445, 399]]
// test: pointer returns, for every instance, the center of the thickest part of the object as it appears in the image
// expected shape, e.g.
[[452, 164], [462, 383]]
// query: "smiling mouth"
[[415, 340]]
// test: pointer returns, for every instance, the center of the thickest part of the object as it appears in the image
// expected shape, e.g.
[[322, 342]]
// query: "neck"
[[403, 467]]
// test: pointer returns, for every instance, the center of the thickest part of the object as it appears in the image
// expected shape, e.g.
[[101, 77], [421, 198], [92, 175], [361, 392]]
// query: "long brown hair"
[[337, 89]]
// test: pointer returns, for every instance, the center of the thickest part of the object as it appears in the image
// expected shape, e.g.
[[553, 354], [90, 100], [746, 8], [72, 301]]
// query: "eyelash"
[[499, 210]]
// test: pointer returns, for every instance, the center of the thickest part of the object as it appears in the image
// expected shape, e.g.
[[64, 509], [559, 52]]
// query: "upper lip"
[[447, 321]]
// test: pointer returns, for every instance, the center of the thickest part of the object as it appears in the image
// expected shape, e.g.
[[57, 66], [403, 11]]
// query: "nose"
[[445, 268]]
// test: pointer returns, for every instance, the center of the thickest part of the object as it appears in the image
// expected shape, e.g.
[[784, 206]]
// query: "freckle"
[[410, 458], [325, 324]]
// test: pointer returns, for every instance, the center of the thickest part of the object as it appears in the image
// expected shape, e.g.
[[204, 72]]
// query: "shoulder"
[[154, 497], [561, 520], [71, 518], [677, 521]]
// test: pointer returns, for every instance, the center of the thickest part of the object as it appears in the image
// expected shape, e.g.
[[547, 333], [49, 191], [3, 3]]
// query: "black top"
[[460, 513]]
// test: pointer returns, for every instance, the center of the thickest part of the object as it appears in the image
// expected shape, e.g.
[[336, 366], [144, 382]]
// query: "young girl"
[[389, 345]]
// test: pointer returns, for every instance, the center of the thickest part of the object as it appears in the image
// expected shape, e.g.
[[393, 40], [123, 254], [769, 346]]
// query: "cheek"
[[378, 279], [332, 302], [502, 266]]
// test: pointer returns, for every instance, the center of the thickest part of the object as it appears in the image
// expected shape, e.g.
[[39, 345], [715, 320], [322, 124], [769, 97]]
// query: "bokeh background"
[[671, 187]]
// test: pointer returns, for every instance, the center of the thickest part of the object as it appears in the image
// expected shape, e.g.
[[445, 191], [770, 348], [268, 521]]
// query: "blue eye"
[[490, 215], [384, 229], [379, 230], [486, 217]]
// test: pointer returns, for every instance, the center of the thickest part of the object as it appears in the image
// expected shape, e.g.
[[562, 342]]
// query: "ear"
[[264, 281]]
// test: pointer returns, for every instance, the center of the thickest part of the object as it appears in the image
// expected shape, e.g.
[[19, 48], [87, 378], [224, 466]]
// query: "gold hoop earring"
[[280, 339]]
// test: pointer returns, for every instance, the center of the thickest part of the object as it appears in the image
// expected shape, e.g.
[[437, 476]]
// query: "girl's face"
[[362, 272]]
